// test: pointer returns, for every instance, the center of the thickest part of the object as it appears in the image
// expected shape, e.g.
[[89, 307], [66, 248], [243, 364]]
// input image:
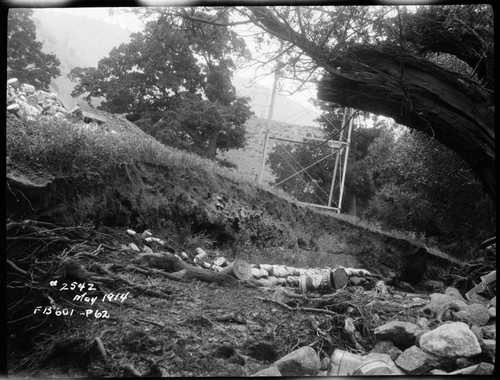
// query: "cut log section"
[[239, 269]]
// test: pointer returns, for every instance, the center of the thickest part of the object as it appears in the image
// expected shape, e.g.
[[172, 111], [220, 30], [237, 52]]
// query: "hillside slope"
[[248, 159], [239, 218], [70, 227]]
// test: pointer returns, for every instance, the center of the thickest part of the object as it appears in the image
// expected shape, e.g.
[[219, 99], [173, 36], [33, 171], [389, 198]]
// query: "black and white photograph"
[[255, 188]]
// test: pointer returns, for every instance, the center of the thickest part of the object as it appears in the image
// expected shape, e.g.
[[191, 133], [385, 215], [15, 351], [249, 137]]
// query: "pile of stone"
[[28, 103], [462, 341], [24, 101]]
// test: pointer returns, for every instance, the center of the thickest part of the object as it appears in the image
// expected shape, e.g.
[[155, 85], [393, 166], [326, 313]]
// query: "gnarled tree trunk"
[[419, 95], [413, 91]]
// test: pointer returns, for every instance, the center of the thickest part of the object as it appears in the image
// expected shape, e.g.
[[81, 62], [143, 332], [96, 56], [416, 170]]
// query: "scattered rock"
[[454, 292], [304, 361], [478, 369], [402, 334], [406, 287], [28, 88], [14, 82], [415, 361], [481, 369], [268, 372], [463, 362], [440, 302], [488, 348], [493, 302], [475, 295], [489, 332], [423, 323], [493, 312], [324, 364], [478, 332], [434, 286], [13, 108], [134, 247], [475, 313], [450, 340], [387, 347], [27, 111]]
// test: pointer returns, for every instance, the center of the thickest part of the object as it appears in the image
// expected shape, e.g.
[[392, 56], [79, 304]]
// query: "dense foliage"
[[424, 187], [174, 80], [25, 59], [405, 181]]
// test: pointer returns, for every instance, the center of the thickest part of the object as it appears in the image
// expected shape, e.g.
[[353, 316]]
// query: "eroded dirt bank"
[[162, 326], [238, 218]]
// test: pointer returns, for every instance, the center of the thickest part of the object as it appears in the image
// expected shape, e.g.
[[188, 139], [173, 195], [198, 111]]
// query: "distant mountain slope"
[[82, 41], [285, 109], [76, 41], [248, 159]]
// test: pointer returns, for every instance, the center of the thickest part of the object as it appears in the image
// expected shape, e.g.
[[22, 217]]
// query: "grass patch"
[[66, 146]]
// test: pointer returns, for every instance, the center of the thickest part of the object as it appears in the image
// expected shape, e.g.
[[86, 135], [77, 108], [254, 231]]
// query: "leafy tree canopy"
[[174, 80], [25, 59], [428, 67]]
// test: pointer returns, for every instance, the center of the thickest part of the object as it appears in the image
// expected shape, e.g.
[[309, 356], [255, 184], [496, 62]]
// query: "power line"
[[300, 166], [303, 180]]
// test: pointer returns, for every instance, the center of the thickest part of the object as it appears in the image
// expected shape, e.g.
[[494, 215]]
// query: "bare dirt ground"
[[149, 324], [146, 323]]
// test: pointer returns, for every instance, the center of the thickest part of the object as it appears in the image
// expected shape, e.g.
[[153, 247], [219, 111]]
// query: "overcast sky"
[[133, 24]]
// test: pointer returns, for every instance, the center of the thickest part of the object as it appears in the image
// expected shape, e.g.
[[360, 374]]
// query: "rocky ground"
[[88, 298], [137, 320]]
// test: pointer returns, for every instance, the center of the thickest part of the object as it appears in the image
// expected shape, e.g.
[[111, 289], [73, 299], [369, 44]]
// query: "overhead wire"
[[303, 180], [301, 167]]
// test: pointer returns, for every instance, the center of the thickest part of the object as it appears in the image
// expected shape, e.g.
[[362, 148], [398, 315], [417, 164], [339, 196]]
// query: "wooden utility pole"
[[345, 159], [337, 158], [268, 123]]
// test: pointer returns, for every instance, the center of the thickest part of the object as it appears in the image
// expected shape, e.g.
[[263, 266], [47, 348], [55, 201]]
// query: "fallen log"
[[171, 263]]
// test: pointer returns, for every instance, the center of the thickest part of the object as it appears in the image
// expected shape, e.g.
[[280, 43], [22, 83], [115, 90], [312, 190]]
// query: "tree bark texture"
[[420, 95], [413, 91]]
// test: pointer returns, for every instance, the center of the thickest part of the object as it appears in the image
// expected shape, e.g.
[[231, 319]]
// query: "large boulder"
[[450, 340], [302, 362], [402, 334], [415, 361], [387, 347], [475, 314], [454, 292]]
